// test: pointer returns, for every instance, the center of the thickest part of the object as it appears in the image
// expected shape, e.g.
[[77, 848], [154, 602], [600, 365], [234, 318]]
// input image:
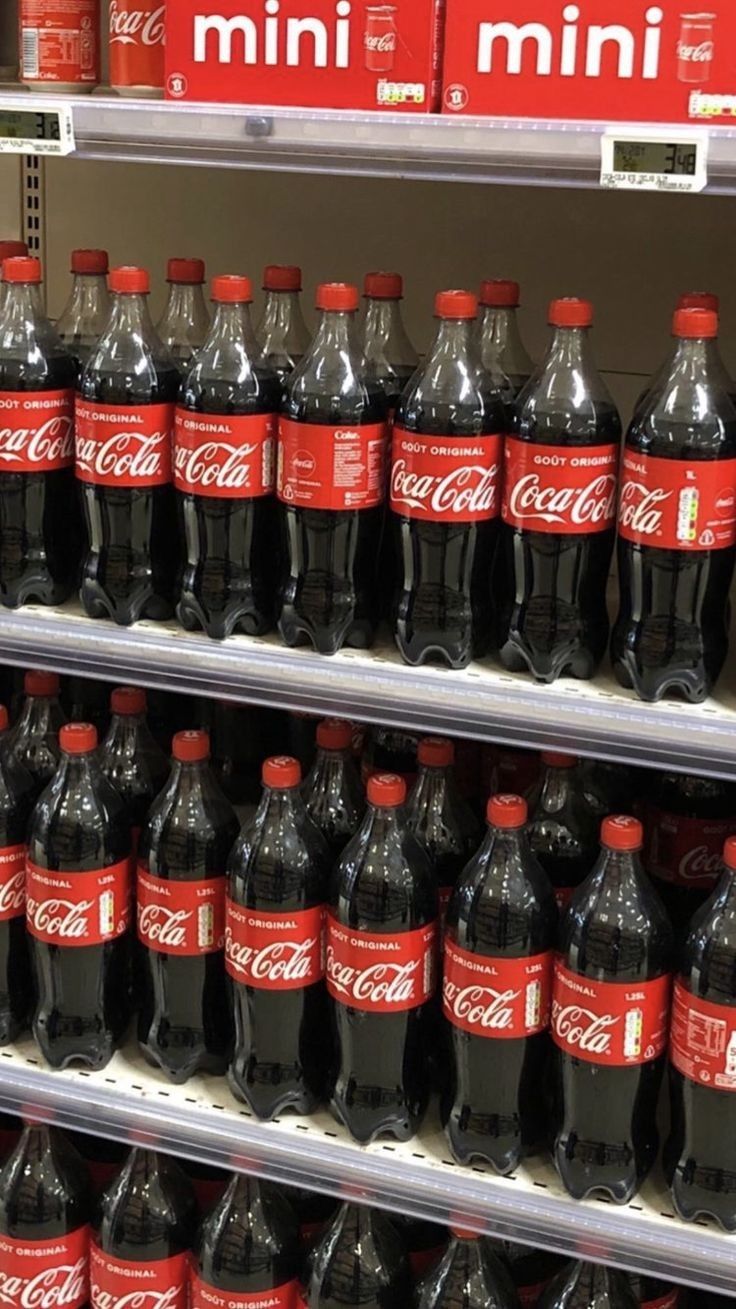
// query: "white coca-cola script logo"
[[481, 1005], [62, 918], [51, 443], [156, 922], [140, 1298], [13, 893], [277, 961], [384, 44], [379, 983], [639, 509], [700, 865], [584, 506], [227, 467], [472, 489], [123, 454], [133, 26], [51, 1289], [582, 1028], [696, 54]]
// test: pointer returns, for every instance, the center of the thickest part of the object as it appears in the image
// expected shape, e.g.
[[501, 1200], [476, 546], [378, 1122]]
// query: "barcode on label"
[[29, 53]]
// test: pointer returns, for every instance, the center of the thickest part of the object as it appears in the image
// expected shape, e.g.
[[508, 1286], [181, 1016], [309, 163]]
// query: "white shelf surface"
[[201, 1120], [592, 718]]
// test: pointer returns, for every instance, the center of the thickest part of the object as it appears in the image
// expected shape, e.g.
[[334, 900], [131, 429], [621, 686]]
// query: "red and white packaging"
[[275, 952], [60, 44], [703, 1040], [137, 32], [678, 504], [454, 479], [611, 1023], [228, 456], [561, 491], [685, 851], [203, 1296], [120, 1283], [323, 467], [180, 918], [506, 999], [36, 431], [78, 909], [378, 972], [12, 886], [335, 54], [40, 1274], [608, 60], [118, 445]]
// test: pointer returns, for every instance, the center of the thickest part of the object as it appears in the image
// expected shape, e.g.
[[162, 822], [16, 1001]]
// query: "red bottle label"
[[36, 431], [563, 491], [182, 918], [703, 1039], [12, 883], [124, 445], [506, 999], [228, 457], [675, 504], [612, 1023], [48, 1274], [380, 973], [150, 1284], [323, 467], [78, 909], [275, 952], [203, 1296], [446, 479], [685, 851]]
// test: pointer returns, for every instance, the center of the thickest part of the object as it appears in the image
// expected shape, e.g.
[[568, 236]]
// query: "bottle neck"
[[34, 716], [617, 868], [499, 334], [77, 771], [694, 360], [385, 335], [570, 349], [232, 331], [22, 305], [282, 324], [130, 316], [453, 342], [122, 736], [89, 296], [279, 807], [185, 303], [336, 334]]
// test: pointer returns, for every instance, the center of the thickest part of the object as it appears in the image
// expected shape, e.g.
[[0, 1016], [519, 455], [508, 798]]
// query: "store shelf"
[[596, 718], [374, 144], [202, 1121]]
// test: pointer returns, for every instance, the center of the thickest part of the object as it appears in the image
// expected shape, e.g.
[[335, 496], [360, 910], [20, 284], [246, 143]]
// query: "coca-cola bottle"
[[446, 462], [185, 322], [104, 1158], [686, 821], [17, 795], [700, 1155], [531, 1271], [609, 788], [78, 910], [500, 935], [332, 790], [688, 300], [184, 1022], [610, 1012], [425, 1242], [45, 1203], [224, 469], [389, 750], [386, 345], [82, 320], [361, 1259], [124, 438], [502, 351], [588, 1286], [331, 484], [40, 525], [383, 887], [563, 826], [131, 759], [274, 950], [144, 1228], [511, 771], [282, 334], [470, 1274], [653, 1293], [34, 740], [439, 818], [85, 700], [677, 526], [248, 1246]]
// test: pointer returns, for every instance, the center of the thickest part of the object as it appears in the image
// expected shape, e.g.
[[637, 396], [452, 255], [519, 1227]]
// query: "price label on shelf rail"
[[649, 160], [47, 131]]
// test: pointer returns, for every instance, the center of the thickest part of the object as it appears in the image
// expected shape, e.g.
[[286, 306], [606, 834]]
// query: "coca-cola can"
[[695, 48], [9, 39], [60, 45], [380, 38], [137, 30]]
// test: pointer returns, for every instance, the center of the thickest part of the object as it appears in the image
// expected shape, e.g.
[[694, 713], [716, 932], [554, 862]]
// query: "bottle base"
[[692, 685], [39, 589], [418, 652], [181, 1064], [243, 619], [297, 1099], [65, 1054], [98, 604], [467, 1152], [366, 1127], [547, 667], [325, 640], [618, 1179], [698, 1206]]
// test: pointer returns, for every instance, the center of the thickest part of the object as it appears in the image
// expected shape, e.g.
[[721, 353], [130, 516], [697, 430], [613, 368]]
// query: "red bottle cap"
[[699, 300], [334, 734], [90, 261], [691, 324], [386, 790], [507, 811], [3, 718], [556, 759], [341, 297], [570, 312], [12, 249], [463, 1233], [36, 682], [78, 738], [282, 277], [190, 272], [191, 747], [231, 289], [455, 304], [729, 852], [130, 281], [384, 286], [281, 773], [128, 701], [499, 293], [22, 268], [435, 752], [619, 832]]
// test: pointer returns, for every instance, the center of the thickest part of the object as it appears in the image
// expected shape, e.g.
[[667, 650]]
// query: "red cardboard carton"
[[333, 54], [609, 60]]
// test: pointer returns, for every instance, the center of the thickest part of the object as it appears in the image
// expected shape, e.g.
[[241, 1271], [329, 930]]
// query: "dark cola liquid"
[[17, 796], [589, 1286], [361, 1259], [334, 798], [469, 1274], [34, 740], [249, 1244], [41, 532], [131, 760], [552, 615], [44, 1188], [563, 830], [148, 1213], [687, 820], [134, 540], [231, 567]]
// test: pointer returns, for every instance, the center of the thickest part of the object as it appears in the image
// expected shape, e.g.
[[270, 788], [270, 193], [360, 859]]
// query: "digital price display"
[[39, 132], [639, 162]]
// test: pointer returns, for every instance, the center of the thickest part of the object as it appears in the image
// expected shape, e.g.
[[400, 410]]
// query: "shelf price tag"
[[48, 131], [650, 160]]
